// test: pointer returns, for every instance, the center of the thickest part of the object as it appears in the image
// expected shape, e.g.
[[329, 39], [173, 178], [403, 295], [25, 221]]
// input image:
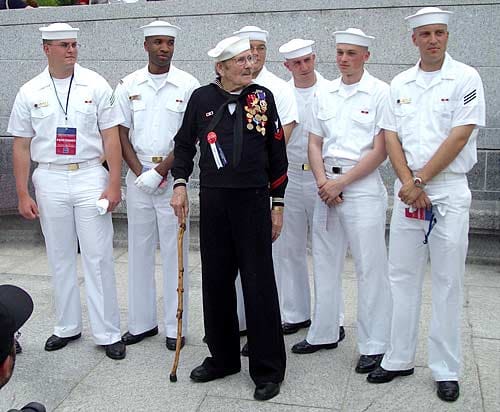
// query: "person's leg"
[[407, 260], [448, 244], [95, 233], [219, 269], [54, 199], [329, 244], [290, 254], [168, 229], [142, 242], [251, 232]]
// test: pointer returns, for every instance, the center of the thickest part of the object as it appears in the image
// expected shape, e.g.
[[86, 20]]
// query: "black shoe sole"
[[148, 334], [211, 378], [400, 373], [65, 342], [116, 357], [316, 349]]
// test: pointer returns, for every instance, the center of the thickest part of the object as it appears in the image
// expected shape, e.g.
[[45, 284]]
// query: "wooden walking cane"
[[180, 292]]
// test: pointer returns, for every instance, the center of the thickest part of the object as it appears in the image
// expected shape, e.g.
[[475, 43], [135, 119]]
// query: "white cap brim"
[[228, 48], [428, 15], [353, 36], [252, 33], [160, 28], [58, 31], [296, 48]]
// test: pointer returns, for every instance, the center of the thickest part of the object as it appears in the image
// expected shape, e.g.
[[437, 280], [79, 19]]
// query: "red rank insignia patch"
[[279, 134]]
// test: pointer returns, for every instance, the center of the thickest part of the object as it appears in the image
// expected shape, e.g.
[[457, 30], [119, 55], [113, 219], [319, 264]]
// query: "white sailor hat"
[[428, 15], [160, 28], [353, 36], [58, 31], [229, 47], [252, 33], [296, 48]]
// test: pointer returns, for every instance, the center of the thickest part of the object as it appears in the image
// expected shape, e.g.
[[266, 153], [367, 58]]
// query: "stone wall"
[[112, 45]]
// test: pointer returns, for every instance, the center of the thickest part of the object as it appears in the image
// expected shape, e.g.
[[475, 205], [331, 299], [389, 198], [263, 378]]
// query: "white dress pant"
[[408, 256], [67, 204], [290, 249], [359, 222], [152, 219]]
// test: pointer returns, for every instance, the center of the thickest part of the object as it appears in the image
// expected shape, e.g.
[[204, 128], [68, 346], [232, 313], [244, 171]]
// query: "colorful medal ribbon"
[[256, 109], [219, 157]]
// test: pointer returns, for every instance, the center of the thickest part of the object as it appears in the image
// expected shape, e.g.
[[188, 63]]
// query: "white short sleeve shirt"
[[296, 148], [37, 114], [154, 114], [348, 122], [423, 114]]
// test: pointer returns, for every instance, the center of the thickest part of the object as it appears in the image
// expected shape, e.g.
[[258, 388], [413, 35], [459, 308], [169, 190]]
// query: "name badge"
[[66, 141]]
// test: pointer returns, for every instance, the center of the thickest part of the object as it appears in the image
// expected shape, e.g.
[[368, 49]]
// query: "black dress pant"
[[235, 234]]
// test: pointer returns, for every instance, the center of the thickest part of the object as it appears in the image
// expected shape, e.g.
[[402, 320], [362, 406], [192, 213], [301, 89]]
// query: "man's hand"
[[114, 196], [179, 203], [422, 202], [277, 223], [330, 191], [149, 181], [27, 207], [409, 192]]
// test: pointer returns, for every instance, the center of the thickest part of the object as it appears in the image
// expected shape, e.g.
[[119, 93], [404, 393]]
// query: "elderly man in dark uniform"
[[243, 163]]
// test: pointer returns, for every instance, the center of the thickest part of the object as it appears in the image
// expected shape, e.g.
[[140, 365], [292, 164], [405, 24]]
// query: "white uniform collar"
[[365, 84], [78, 79], [172, 76], [264, 72], [447, 70]]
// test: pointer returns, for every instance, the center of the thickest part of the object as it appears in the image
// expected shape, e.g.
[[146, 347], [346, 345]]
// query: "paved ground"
[[81, 377]]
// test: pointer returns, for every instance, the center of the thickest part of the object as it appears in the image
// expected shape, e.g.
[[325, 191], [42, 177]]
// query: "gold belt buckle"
[[306, 167], [157, 159], [73, 166]]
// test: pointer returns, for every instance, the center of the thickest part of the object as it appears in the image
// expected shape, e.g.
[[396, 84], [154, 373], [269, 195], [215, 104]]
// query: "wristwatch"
[[418, 182]]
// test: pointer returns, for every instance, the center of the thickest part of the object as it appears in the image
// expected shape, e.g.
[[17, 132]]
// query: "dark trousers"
[[235, 233]]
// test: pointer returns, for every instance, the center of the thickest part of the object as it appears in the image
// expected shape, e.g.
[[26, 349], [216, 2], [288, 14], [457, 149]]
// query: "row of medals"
[[256, 117]]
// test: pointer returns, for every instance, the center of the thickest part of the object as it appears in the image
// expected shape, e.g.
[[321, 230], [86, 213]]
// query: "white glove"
[[149, 181], [102, 206]]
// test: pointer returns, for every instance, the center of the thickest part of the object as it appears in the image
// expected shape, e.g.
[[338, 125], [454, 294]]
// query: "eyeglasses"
[[66, 45], [241, 61]]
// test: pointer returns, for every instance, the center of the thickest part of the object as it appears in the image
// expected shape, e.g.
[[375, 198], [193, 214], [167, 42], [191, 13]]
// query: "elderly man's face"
[[351, 59], [160, 50], [431, 41], [236, 73], [61, 53], [259, 52]]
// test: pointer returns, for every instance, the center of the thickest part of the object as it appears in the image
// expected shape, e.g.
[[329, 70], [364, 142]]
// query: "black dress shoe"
[[305, 347], [380, 375], [55, 342], [265, 391], [290, 328], [19, 349], [206, 372], [129, 339], [171, 343], [448, 390], [244, 350], [341, 333], [116, 350], [368, 363]]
